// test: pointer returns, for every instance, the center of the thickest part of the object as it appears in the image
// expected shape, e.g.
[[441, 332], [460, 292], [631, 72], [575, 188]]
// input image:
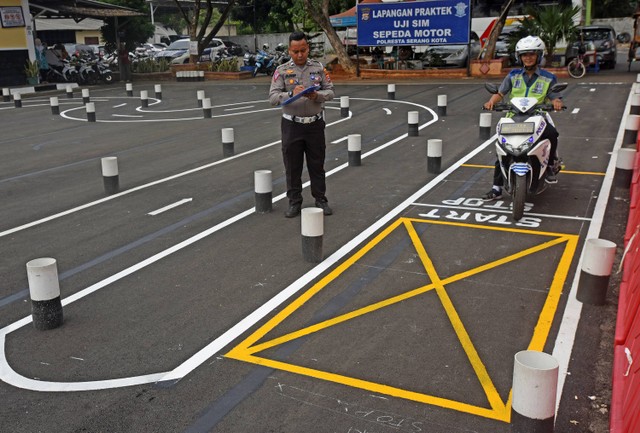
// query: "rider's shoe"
[[492, 195]]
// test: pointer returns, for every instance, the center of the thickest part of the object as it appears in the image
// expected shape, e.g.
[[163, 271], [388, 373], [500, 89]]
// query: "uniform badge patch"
[[326, 75], [276, 75]]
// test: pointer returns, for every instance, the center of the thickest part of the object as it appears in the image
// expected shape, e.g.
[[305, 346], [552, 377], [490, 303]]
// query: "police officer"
[[534, 82], [302, 122]]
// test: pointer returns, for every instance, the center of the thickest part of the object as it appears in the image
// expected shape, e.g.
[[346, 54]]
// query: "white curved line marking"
[[10, 376]]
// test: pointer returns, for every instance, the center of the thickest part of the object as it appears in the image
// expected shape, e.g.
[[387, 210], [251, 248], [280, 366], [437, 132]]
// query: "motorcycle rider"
[[529, 81]]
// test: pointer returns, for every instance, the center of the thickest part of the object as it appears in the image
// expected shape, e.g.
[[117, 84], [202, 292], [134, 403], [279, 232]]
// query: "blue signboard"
[[414, 23]]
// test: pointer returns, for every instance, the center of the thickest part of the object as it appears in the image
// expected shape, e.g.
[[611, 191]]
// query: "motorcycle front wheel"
[[107, 77], [519, 196]]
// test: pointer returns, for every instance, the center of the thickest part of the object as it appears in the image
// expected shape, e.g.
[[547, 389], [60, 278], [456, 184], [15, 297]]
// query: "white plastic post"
[[144, 98], [413, 119], [227, 142], [158, 91], [344, 106], [90, 107], [597, 263], [442, 105], [263, 190], [624, 167], [129, 88], [312, 227], [69, 91], [631, 127], [17, 100], [55, 105], [85, 95], [206, 108], [535, 383], [200, 95], [485, 125], [434, 155], [391, 91], [6, 94], [354, 149], [110, 175], [44, 291]]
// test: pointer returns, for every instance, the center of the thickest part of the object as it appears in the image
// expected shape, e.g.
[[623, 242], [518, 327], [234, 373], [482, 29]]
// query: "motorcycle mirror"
[[491, 88], [559, 87]]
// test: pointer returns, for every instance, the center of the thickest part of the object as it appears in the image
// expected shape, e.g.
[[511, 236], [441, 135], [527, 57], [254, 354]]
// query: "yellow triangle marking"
[[499, 410]]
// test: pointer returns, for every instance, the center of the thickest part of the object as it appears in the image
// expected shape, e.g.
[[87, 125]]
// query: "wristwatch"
[[290, 93]]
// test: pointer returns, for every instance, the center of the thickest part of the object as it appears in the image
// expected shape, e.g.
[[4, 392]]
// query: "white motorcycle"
[[523, 156]]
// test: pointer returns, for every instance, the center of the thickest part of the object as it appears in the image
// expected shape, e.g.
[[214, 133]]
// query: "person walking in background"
[[41, 58], [302, 123], [124, 63]]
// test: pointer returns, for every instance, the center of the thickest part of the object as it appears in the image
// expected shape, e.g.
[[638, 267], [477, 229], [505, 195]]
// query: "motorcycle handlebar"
[[507, 107]]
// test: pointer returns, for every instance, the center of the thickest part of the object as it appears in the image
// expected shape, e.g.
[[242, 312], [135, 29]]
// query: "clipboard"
[[309, 89]]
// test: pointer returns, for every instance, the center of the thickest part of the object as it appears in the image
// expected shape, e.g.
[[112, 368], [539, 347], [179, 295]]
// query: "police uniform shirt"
[[289, 75]]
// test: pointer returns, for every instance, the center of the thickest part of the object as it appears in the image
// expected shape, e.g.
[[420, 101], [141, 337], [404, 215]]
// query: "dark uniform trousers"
[[298, 140]]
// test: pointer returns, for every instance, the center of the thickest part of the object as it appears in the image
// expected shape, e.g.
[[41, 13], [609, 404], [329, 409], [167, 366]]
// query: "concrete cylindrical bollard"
[[442, 105], [55, 105], [535, 383], [413, 119], [206, 108], [44, 290], [17, 100], [110, 176], [434, 155], [200, 95], [263, 190], [631, 127], [6, 94], [69, 91], [595, 272], [129, 88], [227, 142], [144, 98], [344, 106], [485, 125], [312, 232], [354, 149], [157, 88], [85, 96], [90, 107], [391, 91], [635, 104], [624, 167]]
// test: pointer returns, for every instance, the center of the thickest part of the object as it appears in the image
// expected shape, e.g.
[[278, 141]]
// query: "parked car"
[[603, 37], [183, 56], [503, 48], [455, 56], [175, 49]]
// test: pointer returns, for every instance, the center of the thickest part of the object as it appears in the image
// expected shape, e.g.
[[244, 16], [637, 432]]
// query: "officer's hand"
[[488, 105], [312, 95], [299, 88], [557, 104]]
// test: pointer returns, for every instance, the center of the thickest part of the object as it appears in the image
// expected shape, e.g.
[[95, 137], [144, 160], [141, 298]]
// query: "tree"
[[551, 24], [132, 30], [319, 12], [490, 48], [613, 8], [198, 24]]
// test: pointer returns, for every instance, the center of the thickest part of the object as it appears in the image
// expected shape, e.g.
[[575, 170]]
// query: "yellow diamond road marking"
[[499, 410]]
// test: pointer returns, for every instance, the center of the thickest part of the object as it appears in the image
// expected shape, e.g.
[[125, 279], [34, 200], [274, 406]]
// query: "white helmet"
[[530, 44]]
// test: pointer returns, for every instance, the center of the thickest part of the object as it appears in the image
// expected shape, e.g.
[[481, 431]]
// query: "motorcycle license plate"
[[517, 128]]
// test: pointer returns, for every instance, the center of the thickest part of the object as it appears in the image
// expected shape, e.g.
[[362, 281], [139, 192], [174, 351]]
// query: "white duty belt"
[[301, 119]]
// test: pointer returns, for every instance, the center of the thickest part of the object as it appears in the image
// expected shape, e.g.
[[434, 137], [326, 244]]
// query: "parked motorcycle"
[[523, 156], [264, 63], [65, 72]]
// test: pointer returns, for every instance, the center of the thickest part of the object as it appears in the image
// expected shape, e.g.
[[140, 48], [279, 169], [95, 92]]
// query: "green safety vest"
[[538, 89]]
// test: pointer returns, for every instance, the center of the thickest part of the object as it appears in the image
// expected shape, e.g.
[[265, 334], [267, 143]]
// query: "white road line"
[[119, 105], [339, 140], [127, 115], [573, 310], [482, 209], [388, 111], [239, 108], [171, 206], [575, 111], [8, 375]]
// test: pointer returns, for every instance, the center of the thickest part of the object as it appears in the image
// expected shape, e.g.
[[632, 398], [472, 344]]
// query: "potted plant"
[[32, 69]]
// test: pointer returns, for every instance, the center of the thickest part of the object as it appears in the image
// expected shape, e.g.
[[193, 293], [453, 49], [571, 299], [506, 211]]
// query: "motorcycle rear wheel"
[[519, 196], [576, 68], [107, 77]]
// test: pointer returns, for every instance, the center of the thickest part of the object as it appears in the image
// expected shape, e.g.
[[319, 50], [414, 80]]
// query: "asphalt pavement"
[[186, 311]]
